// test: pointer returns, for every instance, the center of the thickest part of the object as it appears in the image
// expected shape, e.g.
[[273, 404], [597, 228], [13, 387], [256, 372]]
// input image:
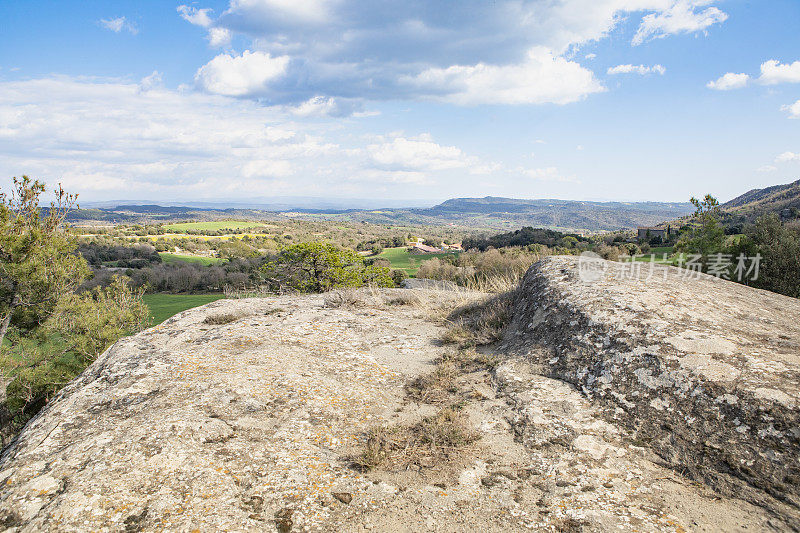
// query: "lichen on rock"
[[705, 371]]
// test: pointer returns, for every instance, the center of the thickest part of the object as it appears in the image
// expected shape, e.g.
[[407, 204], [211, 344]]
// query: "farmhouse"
[[665, 232], [423, 249], [418, 246]]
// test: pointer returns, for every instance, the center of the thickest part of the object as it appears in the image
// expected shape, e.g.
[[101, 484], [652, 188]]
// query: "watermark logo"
[[591, 267], [742, 268]]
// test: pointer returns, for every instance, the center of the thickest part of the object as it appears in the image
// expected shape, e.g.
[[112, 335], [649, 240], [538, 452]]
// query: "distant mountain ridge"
[[756, 202], [556, 214], [480, 213], [494, 204]]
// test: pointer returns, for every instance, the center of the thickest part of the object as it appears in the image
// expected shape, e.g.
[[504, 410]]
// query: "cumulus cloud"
[[375, 51], [151, 82], [767, 168], [119, 139], [219, 37], [193, 15], [118, 25], [792, 109], [417, 154], [785, 157], [246, 75], [729, 81], [321, 106], [683, 16], [542, 78], [774, 72], [637, 69]]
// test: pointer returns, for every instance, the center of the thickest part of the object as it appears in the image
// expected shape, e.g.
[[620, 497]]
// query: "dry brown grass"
[[441, 386], [219, 319], [344, 298], [433, 440], [479, 323], [568, 525], [438, 386]]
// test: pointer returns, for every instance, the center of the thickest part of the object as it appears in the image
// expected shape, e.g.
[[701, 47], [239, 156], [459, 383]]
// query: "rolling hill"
[[781, 199], [479, 213]]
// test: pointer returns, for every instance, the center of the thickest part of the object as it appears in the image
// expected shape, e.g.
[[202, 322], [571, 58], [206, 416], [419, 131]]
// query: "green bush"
[[398, 276], [81, 328]]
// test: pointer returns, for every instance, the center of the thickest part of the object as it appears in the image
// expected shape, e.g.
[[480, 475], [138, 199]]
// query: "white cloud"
[[320, 106], [774, 72], [461, 54], [590, 56], [729, 81], [119, 24], [193, 15], [315, 11], [637, 69], [151, 82], [785, 157], [683, 16], [219, 37], [417, 154], [267, 168], [792, 109], [542, 78], [117, 139], [767, 168], [244, 75]]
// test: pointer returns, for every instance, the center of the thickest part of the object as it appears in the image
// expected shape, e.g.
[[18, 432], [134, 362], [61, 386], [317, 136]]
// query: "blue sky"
[[574, 99]]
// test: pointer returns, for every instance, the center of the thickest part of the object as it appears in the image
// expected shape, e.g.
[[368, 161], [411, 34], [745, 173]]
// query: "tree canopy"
[[37, 263], [320, 267]]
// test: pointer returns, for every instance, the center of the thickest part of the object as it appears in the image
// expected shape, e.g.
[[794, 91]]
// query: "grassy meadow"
[[402, 260], [163, 306], [215, 225], [170, 258]]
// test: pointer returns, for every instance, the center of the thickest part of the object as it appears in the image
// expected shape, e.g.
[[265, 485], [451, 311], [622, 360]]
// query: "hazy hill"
[[479, 213], [558, 214], [776, 199]]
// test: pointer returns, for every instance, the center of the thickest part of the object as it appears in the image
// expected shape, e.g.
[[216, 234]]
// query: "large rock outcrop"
[[706, 372], [246, 415]]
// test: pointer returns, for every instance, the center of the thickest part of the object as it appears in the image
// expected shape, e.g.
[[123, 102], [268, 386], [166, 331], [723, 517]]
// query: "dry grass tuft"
[[479, 323], [218, 319], [407, 297], [349, 298], [498, 284], [437, 386], [441, 386], [568, 525], [430, 442]]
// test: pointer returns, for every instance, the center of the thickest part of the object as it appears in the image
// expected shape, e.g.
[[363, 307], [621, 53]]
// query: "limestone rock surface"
[[253, 425], [705, 371]]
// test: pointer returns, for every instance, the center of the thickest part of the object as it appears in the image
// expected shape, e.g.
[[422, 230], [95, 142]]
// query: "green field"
[[163, 306], [660, 250], [236, 225], [656, 254], [402, 260], [170, 258]]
